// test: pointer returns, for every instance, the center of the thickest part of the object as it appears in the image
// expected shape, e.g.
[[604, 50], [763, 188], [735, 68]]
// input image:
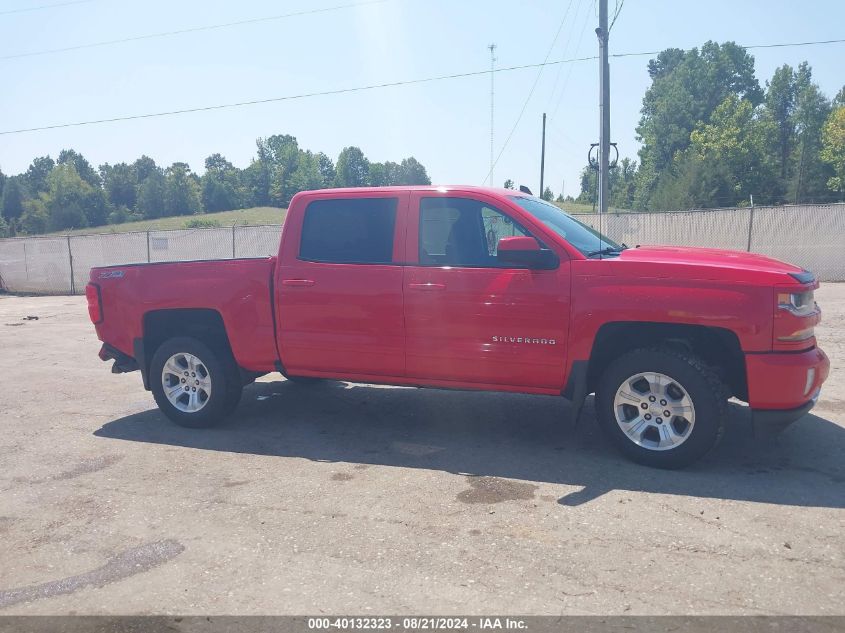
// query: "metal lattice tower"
[[492, 48]]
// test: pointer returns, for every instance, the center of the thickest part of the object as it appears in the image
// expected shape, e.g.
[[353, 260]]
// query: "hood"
[[709, 263]]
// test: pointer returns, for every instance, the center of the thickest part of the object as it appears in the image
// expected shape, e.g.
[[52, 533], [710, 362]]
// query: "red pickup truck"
[[475, 288]]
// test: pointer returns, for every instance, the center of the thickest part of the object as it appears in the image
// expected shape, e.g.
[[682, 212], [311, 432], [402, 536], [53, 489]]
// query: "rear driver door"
[[340, 288]]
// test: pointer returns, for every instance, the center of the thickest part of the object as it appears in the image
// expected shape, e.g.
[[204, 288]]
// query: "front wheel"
[[193, 384], [662, 408]]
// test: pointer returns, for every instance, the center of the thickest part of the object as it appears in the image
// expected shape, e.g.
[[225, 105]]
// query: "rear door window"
[[349, 231]]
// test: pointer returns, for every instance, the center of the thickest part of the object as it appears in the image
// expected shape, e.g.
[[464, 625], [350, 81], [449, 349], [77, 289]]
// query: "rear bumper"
[[122, 362], [783, 387]]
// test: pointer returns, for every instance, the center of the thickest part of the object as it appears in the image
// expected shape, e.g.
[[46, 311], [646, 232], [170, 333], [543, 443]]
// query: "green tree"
[[221, 185], [547, 194], [378, 175], [71, 201], [81, 164], [412, 172], [13, 198], [734, 143], [307, 175], [833, 150], [36, 217], [811, 173], [182, 191], [36, 174], [780, 101], [509, 184], [279, 155], [143, 168], [622, 182], [686, 88], [353, 168], [151, 195], [386, 174], [326, 169], [120, 185], [256, 182]]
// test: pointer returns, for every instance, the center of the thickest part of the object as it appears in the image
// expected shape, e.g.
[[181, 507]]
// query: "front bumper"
[[773, 421], [783, 387]]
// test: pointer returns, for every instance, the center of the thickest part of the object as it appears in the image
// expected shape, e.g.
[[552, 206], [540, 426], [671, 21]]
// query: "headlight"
[[795, 317], [798, 303]]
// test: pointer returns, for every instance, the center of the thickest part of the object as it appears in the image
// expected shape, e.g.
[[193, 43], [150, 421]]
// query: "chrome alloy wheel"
[[654, 411], [186, 382]]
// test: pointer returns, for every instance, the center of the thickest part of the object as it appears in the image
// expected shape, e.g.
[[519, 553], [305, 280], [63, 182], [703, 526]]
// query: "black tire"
[[702, 385], [222, 373]]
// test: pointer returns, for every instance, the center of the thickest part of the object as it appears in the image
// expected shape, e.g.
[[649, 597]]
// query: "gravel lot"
[[353, 498]]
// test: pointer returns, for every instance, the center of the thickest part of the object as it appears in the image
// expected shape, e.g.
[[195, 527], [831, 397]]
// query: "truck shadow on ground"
[[512, 436]]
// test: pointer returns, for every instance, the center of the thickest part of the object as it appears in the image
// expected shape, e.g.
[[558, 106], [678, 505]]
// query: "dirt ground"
[[358, 499]]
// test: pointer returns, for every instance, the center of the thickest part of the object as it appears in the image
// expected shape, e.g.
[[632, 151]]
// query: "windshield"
[[581, 236]]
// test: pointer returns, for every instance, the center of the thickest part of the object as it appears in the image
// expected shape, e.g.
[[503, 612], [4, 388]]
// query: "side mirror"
[[525, 252]]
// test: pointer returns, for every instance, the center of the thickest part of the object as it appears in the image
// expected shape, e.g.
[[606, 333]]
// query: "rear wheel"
[[193, 384], [662, 408]]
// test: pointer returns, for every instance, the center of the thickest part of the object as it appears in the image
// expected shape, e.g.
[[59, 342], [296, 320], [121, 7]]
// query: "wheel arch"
[[718, 347], [204, 324]]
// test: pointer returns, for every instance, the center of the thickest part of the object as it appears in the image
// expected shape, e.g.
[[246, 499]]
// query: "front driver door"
[[468, 318]]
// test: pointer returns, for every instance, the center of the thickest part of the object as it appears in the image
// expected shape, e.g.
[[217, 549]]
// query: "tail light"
[[95, 303]]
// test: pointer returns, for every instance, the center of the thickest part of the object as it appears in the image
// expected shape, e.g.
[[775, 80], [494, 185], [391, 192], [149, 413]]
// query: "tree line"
[[69, 193], [713, 137]]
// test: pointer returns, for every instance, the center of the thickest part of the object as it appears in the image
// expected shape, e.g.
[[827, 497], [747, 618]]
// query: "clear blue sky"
[[444, 124]]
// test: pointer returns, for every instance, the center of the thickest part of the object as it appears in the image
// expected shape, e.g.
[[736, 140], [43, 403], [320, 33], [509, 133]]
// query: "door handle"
[[298, 282], [427, 286]]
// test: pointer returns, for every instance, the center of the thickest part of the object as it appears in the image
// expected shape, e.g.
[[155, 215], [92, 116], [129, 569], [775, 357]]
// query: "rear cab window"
[[349, 231]]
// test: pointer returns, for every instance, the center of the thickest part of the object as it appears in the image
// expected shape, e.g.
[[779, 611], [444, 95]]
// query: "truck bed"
[[239, 290]]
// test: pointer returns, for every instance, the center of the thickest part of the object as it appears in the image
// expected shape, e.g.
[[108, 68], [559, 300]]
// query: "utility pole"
[[492, 48], [604, 109], [543, 156]]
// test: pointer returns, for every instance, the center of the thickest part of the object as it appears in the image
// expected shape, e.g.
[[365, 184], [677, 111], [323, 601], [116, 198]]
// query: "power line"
[[748, 47], [564, 52], [530, 92], [337, 91], [194, 29], [45, 6], [569, 69], [306, 95], [619, 5]]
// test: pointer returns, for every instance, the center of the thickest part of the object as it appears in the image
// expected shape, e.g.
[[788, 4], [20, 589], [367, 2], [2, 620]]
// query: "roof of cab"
[[500, 191]]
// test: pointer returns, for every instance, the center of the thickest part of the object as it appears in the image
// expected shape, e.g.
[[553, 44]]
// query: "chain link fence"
[[61, 265], [811, 236]]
